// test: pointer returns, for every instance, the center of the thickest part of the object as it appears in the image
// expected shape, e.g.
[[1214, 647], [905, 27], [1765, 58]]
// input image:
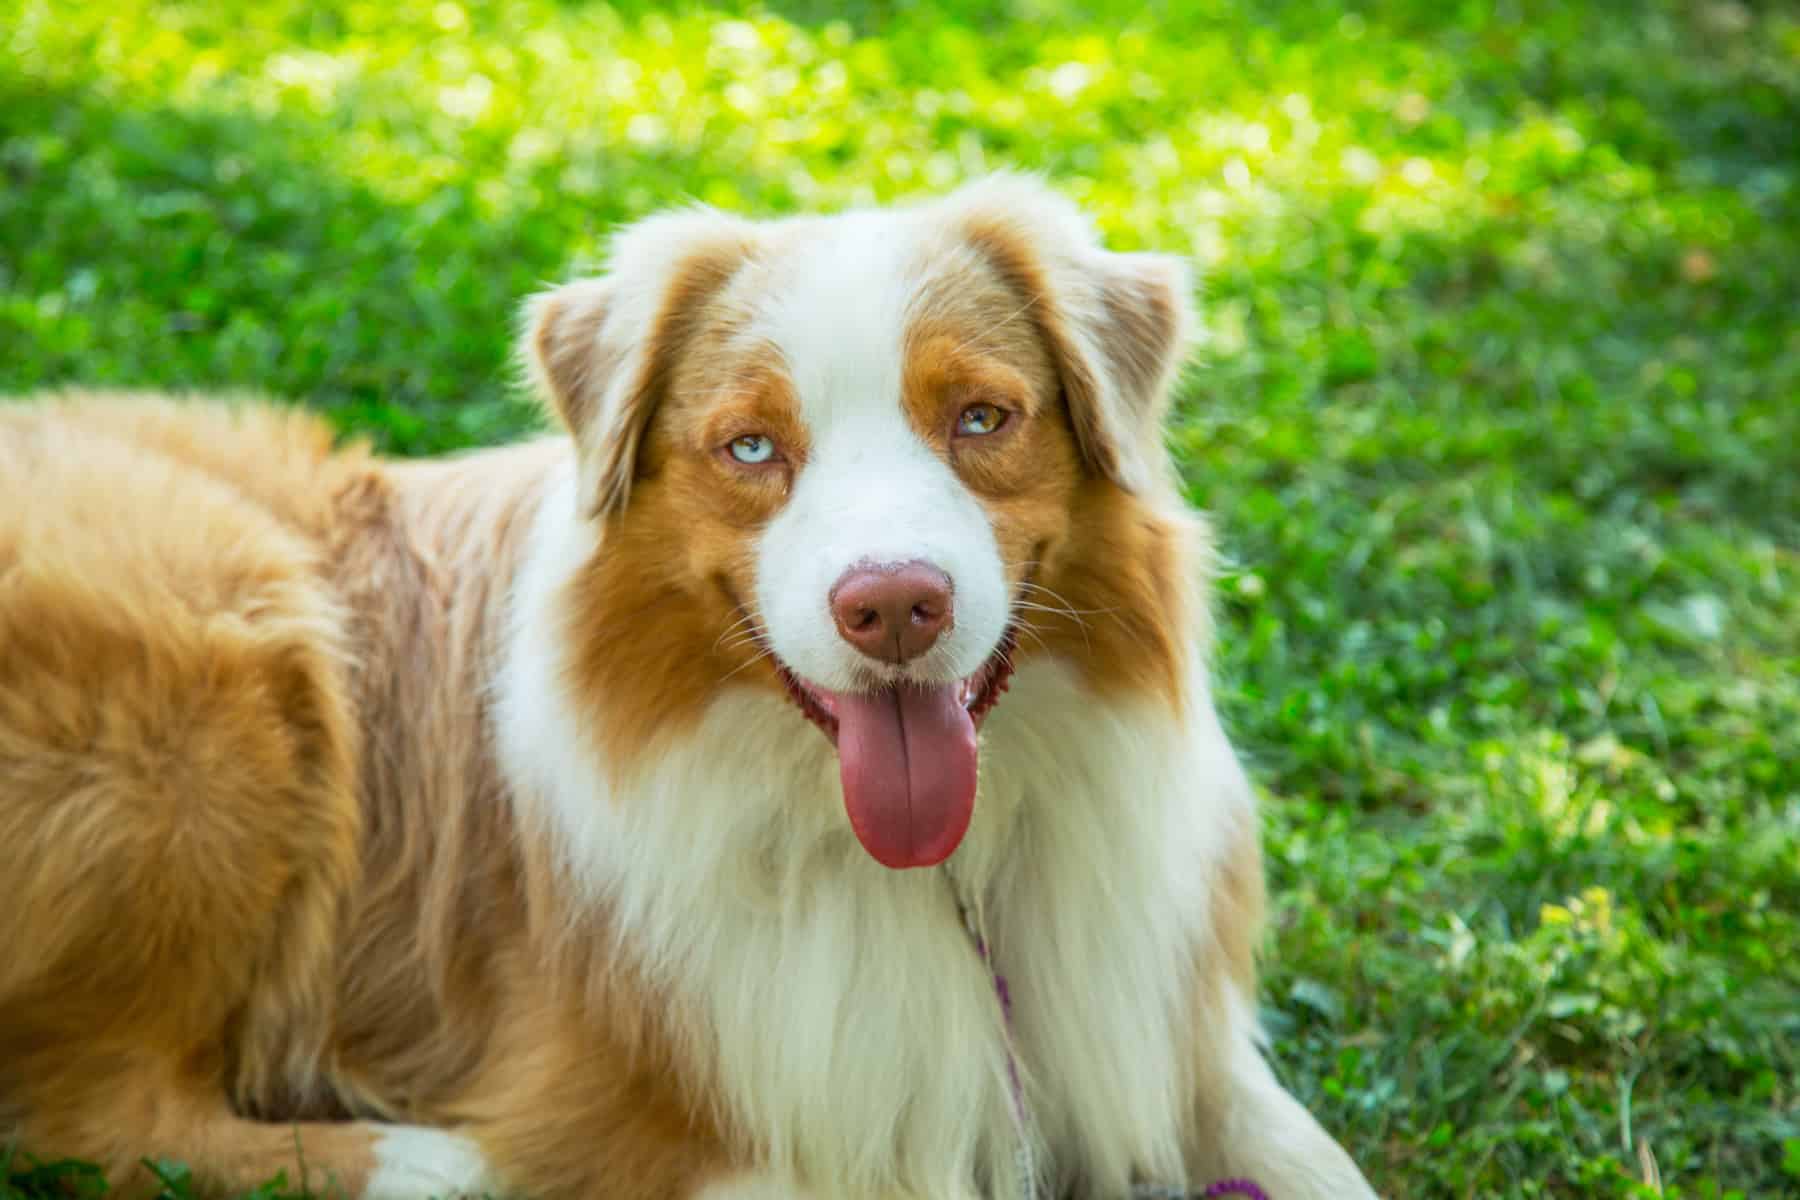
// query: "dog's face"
[[869, 461]]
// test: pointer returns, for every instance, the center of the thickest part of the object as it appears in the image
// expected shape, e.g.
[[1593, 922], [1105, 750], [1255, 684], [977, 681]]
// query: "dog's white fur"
[[413, 1162]]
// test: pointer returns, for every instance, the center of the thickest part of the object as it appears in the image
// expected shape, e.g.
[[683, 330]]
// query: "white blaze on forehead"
[[835, 303], [837, 307]]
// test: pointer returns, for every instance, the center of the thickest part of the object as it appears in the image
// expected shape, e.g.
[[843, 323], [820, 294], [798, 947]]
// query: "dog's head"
[[870, 461]]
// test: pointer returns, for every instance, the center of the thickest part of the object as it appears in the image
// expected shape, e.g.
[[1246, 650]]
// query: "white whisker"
[[995, 327], [765, 653]]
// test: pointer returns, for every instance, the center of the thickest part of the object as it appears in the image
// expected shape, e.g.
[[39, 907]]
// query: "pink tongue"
[[907, 759]]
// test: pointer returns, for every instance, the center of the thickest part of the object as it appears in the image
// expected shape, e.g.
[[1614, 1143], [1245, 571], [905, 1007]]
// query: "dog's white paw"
[[414, 1163]]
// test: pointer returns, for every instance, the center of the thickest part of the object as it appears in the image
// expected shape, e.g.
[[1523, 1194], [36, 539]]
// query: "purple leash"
[[1225, 1187], [1234, 1187], [1217, 1191]]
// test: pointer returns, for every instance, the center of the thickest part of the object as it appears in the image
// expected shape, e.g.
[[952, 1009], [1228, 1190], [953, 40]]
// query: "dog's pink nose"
[[892, 611]]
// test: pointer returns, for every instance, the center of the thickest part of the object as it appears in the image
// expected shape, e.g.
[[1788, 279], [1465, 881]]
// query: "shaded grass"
[[1498, 418]]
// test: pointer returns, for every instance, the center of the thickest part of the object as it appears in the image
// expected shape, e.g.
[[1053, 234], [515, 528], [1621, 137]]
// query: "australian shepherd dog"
[[798, 777]]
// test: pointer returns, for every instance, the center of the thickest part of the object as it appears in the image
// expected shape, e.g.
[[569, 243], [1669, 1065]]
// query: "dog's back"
[[177, 755]]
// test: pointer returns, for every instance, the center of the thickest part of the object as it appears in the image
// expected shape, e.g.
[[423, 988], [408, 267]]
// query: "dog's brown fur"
[[260, 862]]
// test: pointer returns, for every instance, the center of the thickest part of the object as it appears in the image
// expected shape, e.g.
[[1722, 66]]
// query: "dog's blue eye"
[[753, 449], [978, 419]]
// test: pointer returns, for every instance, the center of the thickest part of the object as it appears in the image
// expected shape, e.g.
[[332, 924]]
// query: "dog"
[[797, 777]]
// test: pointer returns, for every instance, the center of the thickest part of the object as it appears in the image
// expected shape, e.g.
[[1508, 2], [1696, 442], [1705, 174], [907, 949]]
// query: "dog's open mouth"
[[907, 757]]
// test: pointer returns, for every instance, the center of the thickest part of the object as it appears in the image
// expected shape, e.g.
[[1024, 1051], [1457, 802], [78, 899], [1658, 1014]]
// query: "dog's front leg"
[[1248, 1126]]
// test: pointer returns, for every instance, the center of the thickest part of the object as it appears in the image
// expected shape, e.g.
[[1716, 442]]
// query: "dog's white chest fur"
[[855, 1033]]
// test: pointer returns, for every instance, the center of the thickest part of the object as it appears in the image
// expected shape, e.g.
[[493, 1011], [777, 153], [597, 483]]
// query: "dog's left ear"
[[1118, 325], [601, 350]]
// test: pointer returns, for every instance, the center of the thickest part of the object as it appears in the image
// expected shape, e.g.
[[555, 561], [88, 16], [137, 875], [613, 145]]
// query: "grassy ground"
[[1500, 418]]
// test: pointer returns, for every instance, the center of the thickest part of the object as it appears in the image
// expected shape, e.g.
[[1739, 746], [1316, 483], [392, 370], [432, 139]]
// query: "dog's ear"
[[601, 350], [1118, 325]]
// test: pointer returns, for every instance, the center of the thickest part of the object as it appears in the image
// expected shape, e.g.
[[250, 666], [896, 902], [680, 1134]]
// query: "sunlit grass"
[[1497, 412]]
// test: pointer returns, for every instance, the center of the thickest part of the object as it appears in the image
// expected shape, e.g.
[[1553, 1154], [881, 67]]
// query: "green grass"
[[1499, 417]]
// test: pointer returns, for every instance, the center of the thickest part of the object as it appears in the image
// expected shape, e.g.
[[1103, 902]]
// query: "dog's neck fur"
[[838, 1006]]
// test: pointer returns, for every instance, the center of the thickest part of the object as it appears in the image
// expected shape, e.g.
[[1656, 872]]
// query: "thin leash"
[[1025, 1162], [1024, 1158]]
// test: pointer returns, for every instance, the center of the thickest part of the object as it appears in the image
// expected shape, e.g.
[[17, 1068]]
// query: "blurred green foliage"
[[1498, 415]]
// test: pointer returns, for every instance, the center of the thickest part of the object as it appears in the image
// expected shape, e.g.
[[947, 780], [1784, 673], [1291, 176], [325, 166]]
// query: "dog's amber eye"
[[979, 419], [753, 449]]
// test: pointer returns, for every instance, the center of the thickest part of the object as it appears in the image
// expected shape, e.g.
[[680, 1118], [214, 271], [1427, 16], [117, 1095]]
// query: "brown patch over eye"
[[739, 401], [980, 412], [1101, 576], [662, 617]]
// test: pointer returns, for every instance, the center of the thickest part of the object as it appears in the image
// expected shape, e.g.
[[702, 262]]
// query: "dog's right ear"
[[601, 350], [1118, 325]]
